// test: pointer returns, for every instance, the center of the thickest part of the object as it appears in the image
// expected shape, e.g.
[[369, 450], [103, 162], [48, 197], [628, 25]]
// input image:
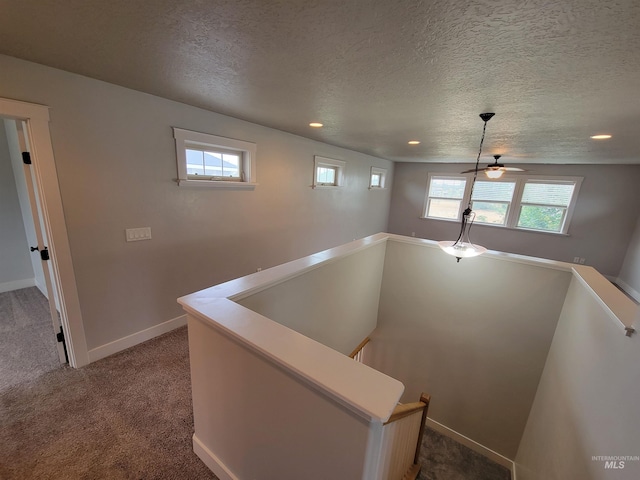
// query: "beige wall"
[[587, 401], [115, 158], [336, 304], [629, 276], [260, 421], [600, 230], [473, 334]]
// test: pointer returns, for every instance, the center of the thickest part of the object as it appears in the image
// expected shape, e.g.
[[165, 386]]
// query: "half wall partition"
[[275, 395]]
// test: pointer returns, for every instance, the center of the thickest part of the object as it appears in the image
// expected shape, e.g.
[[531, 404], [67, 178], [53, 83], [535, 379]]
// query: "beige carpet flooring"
[[27, 340], [128, 416]]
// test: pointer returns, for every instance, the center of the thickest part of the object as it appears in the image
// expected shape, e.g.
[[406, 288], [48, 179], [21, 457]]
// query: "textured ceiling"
[[377, 73]]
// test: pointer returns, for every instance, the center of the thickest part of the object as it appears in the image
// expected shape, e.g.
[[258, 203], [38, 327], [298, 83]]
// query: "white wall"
[[587, 401], [629, 277], [474, 335], [256, 420], [600, 229], [15, 265], [115, 159], [23, 198], [336, 304]]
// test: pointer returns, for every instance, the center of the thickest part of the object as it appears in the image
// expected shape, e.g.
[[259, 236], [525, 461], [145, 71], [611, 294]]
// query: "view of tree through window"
[[544, 206]]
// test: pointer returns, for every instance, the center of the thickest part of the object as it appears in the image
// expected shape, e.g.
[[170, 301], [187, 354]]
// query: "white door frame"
[[44, 168]]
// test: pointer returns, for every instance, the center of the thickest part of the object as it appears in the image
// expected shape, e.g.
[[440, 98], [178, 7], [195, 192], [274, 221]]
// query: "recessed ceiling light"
[[315, 124], [600, 137], [414, 142]]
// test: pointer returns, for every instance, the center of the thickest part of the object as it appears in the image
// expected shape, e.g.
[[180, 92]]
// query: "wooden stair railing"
[[400, 447], [357, 353]]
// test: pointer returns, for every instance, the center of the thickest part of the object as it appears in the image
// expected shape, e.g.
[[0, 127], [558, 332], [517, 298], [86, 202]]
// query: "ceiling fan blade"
[[514, 169], [473, 170]]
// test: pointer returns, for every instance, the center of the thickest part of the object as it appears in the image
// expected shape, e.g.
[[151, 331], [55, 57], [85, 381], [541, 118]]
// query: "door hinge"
[[44, 253], [26, 158], [60, 338]]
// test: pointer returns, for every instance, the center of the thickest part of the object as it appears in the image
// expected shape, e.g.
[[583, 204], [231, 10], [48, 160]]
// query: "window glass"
[[326, 175], [544, 206], [213, 164], [445, 197], [537, 203], [447, 187], [491, 201], [375, 179], [195, 162], [442, 208]]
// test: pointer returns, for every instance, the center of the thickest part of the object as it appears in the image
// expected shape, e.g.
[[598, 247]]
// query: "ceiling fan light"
[[494, 173]]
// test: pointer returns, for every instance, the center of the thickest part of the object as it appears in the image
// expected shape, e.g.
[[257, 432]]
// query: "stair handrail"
[[359, 348]]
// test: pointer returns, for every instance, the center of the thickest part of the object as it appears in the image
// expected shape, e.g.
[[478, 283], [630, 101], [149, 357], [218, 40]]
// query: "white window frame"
[[509, 214], [463, 200], [382, 172], [324, 162], [513, 213], [186, 139]]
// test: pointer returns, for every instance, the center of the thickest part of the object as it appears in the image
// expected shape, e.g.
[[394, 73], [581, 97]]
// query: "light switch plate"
[[136, 234]]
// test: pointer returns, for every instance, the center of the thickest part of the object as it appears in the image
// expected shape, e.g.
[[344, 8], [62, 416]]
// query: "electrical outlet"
[[136, 234], [581, 261], [413, 234], [576, 259], [259, 269]]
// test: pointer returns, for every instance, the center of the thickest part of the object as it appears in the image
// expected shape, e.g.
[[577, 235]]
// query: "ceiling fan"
[[495, 170]]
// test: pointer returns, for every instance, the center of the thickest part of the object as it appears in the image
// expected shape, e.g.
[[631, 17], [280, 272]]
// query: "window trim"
[[325, 162], [383, 178], [186, 139], [465, 195], [513, 213], [510, 203]]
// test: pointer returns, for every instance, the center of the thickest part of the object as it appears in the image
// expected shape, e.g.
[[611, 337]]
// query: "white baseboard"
[[473, 445], [42, 288], [628, 289], [211, 461], [136, 338], [17, 285]]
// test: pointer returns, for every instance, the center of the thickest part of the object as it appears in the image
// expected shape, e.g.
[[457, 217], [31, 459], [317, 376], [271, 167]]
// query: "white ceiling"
[[377, 73]]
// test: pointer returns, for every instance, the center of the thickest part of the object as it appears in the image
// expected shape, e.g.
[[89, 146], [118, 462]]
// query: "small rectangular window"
[[326, 176], [212, 161], [445, 197], [328, 172], [218, 164], [378, 178]]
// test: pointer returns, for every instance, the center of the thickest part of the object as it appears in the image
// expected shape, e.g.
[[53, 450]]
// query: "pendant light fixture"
[[462, 247]]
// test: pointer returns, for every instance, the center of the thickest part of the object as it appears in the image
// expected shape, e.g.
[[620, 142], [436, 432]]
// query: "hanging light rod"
[[462, 247]]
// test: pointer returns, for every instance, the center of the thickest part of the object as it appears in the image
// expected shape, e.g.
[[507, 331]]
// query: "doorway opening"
[[29, 312], [39, 304]]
